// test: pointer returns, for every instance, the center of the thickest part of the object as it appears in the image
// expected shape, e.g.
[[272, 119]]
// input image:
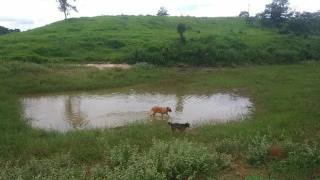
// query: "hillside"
[[210, 41]]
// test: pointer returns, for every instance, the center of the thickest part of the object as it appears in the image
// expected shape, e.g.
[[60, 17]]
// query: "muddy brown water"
[[65, 112]]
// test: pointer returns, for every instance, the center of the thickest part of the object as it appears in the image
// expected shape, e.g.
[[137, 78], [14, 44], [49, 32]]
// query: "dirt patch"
[[241, 170], [109, 66]]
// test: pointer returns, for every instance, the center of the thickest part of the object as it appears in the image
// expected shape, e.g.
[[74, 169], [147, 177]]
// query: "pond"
[[64, 112]]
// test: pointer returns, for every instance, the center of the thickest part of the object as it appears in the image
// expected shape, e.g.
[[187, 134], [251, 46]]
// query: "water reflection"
[[74, 116], [109, 110], [179, 105]]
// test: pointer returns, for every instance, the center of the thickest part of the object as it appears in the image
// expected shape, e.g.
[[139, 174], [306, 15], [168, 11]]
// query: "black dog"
[[177, 126]]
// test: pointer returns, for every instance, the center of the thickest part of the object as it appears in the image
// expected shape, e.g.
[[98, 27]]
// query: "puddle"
[[108, 110]]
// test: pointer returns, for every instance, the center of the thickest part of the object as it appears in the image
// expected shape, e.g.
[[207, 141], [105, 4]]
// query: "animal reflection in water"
[[74, 117], [110, 110]]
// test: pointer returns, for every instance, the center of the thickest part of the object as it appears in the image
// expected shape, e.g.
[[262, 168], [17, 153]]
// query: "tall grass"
[[286, 113]]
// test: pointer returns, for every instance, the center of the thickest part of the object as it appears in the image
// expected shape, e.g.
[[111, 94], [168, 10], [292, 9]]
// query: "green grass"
[[286, 112], [213, 41], [286, 99]]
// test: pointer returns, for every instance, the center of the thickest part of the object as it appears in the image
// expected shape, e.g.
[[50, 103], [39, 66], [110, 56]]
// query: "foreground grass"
[[286, 113]]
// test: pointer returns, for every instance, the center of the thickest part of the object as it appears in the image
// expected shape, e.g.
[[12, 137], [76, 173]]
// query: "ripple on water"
[[82, 111]]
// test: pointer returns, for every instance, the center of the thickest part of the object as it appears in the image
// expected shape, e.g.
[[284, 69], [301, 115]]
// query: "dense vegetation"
[[278, 14], [303, 23], [286, 114], [4, 30], [209, 41]]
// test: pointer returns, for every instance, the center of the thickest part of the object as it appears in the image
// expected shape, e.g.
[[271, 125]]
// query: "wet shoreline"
[[64, 112]]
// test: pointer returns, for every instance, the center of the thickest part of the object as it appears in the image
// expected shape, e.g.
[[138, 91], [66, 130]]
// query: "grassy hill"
[[210, 41]]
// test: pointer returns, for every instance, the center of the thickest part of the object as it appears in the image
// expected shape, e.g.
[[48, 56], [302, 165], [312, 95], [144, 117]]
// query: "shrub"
[[217, 51], [181, 29], [14, 67], [115, 44], [137, 167], [61, 168], [27, 58], [301, 158], [258, 150], [303, 23], [4, 30], [120, 155], [52, 52], [165, 160], [229, 145], [286, 56]]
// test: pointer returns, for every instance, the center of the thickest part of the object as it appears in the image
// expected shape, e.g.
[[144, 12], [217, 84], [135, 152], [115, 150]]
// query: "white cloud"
[[42, 12], [15, 22]]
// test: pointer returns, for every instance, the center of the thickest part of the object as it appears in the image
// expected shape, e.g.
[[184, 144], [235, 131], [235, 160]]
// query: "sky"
[[28, 14]]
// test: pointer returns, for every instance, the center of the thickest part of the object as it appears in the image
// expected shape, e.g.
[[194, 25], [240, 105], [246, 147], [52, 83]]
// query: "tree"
[[244, 14], [304, 23], [277, 12], [66, 7], [162, 12], [182, 28], [4, 30]]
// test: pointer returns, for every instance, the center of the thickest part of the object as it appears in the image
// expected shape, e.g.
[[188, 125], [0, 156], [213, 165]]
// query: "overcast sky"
[[27, 14]]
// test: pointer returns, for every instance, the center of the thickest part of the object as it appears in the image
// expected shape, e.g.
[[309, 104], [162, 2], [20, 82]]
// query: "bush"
[[61, 168], [176, 159], [120, 155], [115, 44], [229, 145], [27, 58], [137, 166], [286, 56], [4, 30], [215, 51], [14, 67], [301, 158], [303, 23], [52, 52], [141, 55], [257, 56], [258, 150], [165, 160]]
